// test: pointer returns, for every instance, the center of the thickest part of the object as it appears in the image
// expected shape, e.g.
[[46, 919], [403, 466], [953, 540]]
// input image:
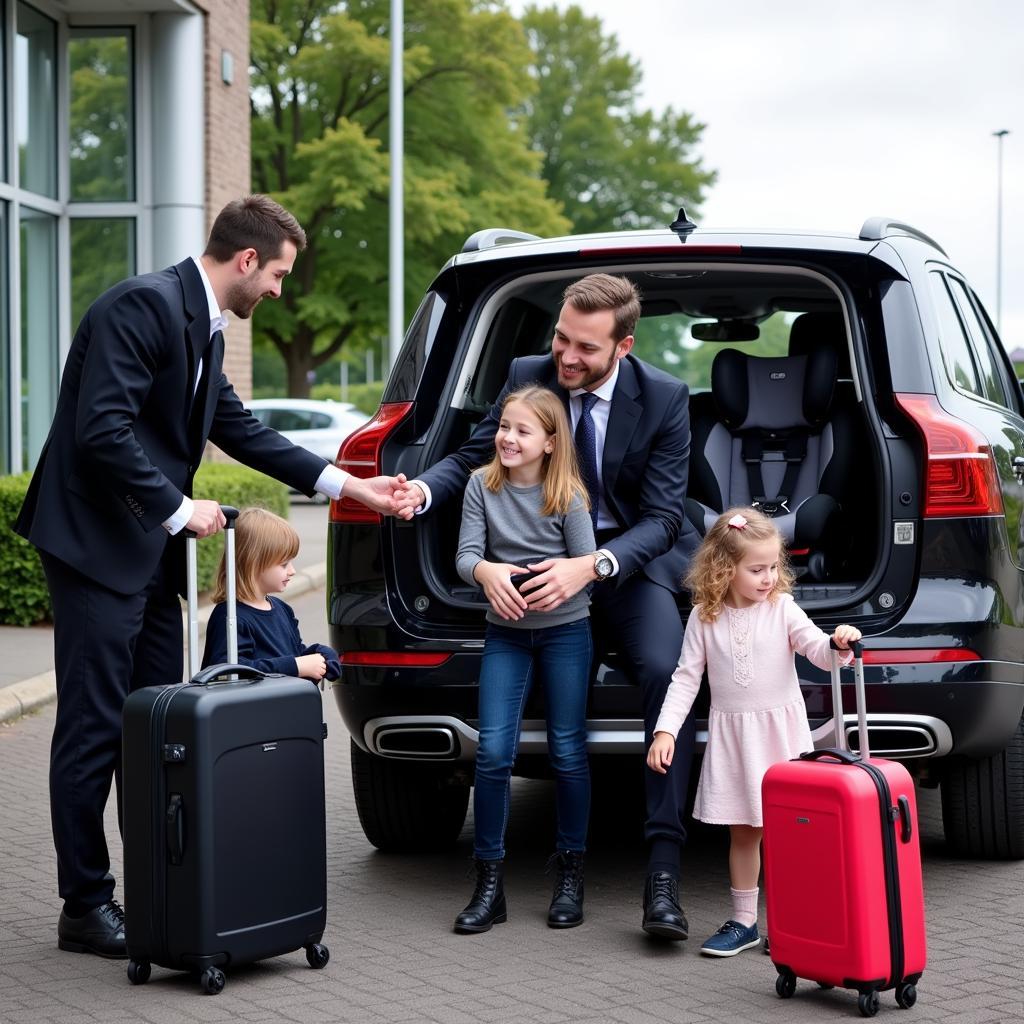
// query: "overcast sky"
[[822, 114]]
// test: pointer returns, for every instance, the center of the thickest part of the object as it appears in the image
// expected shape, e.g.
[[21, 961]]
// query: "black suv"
[[907, 437]]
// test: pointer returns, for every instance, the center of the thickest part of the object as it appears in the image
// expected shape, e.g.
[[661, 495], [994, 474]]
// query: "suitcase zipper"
[[159, 893], [892, 873]]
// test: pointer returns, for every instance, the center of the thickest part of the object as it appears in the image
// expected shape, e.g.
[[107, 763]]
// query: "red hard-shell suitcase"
[[842, 868], [224, 818]]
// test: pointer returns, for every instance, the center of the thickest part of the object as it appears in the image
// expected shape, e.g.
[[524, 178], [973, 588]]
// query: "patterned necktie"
[[586, 449]]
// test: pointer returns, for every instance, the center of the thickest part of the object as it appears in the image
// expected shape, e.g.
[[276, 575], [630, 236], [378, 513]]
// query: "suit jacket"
[[121, 453], [643, 469]]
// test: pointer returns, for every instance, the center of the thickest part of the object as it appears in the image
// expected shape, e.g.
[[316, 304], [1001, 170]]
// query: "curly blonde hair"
[[714, 566]]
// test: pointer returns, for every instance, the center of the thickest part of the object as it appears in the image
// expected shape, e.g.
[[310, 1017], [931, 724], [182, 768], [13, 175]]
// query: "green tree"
[[613, 165], [319, 141]]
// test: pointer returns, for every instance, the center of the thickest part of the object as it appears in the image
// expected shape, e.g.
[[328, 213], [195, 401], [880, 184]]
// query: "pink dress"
[[758, 716]]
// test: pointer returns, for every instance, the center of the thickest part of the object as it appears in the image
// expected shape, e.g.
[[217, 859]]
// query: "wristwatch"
[[603, 567]]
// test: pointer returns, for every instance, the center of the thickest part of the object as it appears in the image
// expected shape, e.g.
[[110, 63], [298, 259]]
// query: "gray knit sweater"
[[508, 527]]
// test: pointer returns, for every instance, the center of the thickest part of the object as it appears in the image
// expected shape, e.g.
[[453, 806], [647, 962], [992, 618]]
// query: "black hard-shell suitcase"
[[224, 817]]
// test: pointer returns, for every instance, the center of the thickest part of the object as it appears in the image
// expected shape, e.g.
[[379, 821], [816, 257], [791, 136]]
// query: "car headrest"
[[773, 392], [811, 331]]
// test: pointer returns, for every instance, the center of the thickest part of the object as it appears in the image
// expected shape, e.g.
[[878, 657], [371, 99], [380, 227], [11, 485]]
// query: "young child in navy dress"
[[744, 629], [268, 632]]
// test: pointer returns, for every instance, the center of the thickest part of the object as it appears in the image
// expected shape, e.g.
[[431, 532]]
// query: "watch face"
[[603, 566]]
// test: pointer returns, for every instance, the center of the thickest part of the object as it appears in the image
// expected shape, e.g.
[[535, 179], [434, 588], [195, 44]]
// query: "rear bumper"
[[912, 720]]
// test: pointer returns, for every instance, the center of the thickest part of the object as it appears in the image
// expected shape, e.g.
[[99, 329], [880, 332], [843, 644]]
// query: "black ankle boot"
[[487, 907], [566, 910]]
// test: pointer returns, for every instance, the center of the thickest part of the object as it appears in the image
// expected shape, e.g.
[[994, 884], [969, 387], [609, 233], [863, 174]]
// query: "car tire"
[[407, 806], [983, 803]]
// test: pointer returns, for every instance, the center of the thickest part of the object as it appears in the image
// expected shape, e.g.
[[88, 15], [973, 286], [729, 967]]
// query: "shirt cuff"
[[180, 519], [426, 495], [611, 558], [331, 481]]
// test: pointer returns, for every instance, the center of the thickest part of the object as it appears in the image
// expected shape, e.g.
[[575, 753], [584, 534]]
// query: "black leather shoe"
[[663, 916], [487, 907], [101, 931], [566, 910]]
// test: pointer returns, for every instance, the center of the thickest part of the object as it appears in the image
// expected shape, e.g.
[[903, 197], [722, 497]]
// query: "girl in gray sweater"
[[527, 505]]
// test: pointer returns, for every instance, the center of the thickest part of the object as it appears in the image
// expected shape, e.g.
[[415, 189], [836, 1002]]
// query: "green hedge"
[[24, 598], [231, 484]]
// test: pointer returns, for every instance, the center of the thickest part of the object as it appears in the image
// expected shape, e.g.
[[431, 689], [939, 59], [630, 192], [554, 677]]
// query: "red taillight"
[[925, 655], [360, 455], [394, 659], [961, 477]]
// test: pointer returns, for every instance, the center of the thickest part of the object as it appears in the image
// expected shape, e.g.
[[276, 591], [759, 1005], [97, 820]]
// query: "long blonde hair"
[[714, 565], [262, 539], [560, 471]]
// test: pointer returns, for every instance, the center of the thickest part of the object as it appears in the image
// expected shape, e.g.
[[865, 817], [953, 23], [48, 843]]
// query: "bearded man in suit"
[[632, 431], [141, 393]]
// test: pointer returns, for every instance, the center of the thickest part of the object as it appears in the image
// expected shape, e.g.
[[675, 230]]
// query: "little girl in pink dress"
[[744, 628]]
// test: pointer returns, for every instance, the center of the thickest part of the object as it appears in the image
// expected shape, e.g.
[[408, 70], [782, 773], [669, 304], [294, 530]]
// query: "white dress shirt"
[[330, 482]]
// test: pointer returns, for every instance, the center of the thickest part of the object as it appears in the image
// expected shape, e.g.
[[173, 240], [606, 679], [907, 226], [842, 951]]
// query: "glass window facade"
[[69, 210], [102, 253], [5, 361], [100, 117], [39, 355], [35, 100]]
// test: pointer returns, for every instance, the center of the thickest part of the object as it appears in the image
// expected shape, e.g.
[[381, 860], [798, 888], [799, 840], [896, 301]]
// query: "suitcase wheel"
[[868, 1003], [317, 956], [785, 984], [212, 981], [138, 971], [906, 995]]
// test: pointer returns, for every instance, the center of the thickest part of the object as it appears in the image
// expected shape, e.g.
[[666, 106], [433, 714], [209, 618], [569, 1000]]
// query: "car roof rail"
[[877, 228], [490, 237]]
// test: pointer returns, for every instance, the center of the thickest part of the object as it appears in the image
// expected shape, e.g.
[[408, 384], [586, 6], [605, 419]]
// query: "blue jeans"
[[560, 656]]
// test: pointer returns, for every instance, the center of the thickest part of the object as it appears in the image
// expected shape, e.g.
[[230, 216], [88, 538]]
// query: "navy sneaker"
[[730, 939]]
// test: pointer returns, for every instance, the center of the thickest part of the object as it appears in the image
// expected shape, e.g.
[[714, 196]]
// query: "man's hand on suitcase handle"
[[207, 518]]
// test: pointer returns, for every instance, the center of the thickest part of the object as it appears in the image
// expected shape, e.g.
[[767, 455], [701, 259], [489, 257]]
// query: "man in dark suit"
[[141, 392], [631, 423]]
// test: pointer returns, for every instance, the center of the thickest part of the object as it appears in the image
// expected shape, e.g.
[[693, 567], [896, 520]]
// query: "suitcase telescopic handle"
[[192, 595], [837, 698]]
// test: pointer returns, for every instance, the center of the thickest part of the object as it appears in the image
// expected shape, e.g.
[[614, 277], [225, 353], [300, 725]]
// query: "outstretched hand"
[[378, 494], [407, 500]]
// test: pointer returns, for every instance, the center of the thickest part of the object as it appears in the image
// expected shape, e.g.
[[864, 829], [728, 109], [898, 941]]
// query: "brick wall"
[[227, 148]]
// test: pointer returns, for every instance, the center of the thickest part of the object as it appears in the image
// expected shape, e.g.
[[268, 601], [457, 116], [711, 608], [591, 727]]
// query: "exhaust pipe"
[[421, 738], [893, 736]]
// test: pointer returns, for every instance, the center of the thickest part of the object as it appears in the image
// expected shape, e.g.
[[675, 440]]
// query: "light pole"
[[999, 228], [396, 203]]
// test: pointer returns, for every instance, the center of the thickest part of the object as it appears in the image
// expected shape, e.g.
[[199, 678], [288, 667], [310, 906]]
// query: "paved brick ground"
[[394, 959]]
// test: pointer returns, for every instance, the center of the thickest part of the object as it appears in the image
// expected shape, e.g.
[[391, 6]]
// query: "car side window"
[[289, 419], [319, 421], [992, 377], [956, 353]]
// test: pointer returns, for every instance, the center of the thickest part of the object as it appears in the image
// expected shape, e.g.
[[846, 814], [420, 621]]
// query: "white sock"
[[744, 906]]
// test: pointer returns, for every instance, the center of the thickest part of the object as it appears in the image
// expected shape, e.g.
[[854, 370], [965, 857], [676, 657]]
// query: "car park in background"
[[319, 427]]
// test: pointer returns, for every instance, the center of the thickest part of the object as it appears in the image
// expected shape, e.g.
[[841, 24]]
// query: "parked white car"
[[320, 427]]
